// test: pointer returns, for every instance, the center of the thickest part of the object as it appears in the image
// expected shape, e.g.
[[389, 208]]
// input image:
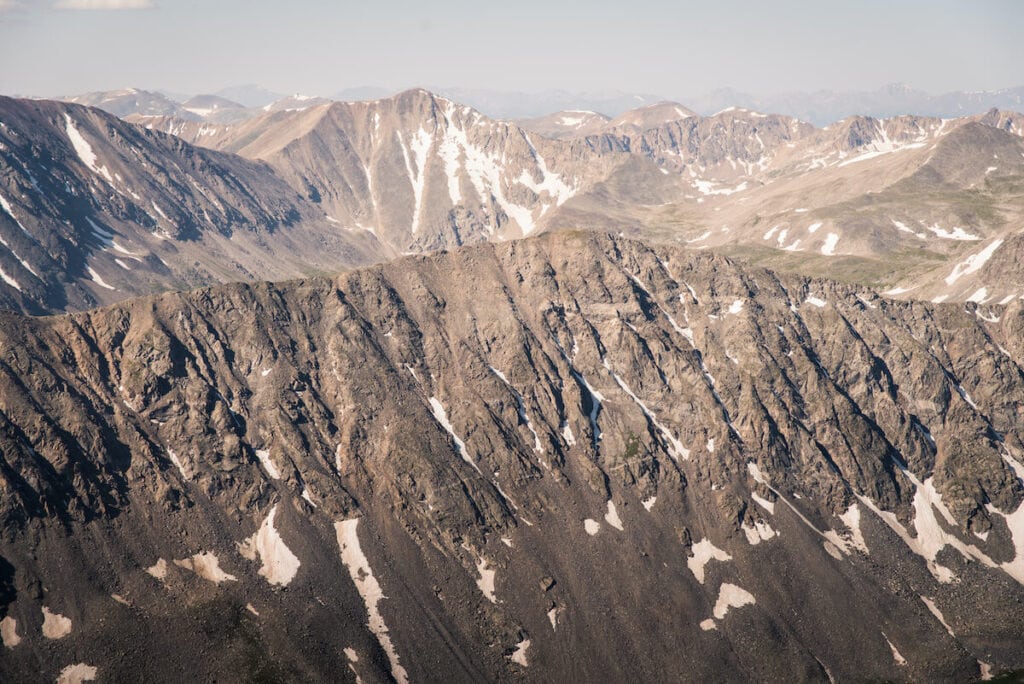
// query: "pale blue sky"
[[651, 46]]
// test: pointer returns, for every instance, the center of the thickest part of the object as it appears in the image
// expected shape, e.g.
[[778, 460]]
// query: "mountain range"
[[820, 107], [914, 206], [391, 390]]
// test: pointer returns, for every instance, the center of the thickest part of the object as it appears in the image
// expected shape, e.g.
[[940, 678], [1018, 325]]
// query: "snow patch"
[[158, 569], [648, 504], [974, 262], [829, 248], [84, 150], [207, 566], [731, 596], [704, 552], [519, 656], [9, 632], [612, 516], [934, 610], [77, 673], [763, 503], [55, 625], [268, 465], [279, 563], [591, 526], [441, 416], [758, 532], [95, 277], [955, 234], [486, 580], [900, 660]]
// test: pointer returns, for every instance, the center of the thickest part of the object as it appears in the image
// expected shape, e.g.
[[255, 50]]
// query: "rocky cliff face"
[[566, 457]]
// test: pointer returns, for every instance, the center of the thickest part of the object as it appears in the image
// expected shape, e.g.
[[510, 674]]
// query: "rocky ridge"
[[553, 458]]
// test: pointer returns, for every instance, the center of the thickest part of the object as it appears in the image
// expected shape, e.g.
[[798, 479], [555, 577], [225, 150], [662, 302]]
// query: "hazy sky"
[[663, 47]]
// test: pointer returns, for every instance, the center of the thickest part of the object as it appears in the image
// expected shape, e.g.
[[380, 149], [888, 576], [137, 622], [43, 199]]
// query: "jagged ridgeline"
[[568, 458]]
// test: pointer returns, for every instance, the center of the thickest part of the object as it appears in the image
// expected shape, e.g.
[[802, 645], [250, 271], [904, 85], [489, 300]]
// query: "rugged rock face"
[[569, 457], [93, 210]]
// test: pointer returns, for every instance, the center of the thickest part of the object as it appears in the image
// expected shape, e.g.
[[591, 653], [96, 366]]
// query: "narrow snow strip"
[[595, 404], [815, 301], [763, 503], [279, 563], [731, 596], [268, 465], [835, 545], [956, 234], [934, 609], [5, 205], [974, 262], [84, 150], [900, 660], [55, 625], [9, 280], [207, 566], [369, 589], [704, 552], [553, 618], [97, 279], [178, 463], [441, 416], [675, 448], [612, 516], [521, 407]]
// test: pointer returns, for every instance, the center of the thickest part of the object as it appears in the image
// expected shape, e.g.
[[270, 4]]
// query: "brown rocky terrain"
[[568, 457]]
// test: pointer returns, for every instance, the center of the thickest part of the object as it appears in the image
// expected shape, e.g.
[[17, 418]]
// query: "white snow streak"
[[359, 569], [974, 262], [441, 416], [84, 150], [264, 456]]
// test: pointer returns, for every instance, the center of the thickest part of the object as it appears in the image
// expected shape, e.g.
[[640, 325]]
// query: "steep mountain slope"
[[418, 171], [94, 210], [569, 457]]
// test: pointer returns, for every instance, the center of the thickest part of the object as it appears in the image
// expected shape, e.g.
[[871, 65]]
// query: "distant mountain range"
[[820, 107]]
